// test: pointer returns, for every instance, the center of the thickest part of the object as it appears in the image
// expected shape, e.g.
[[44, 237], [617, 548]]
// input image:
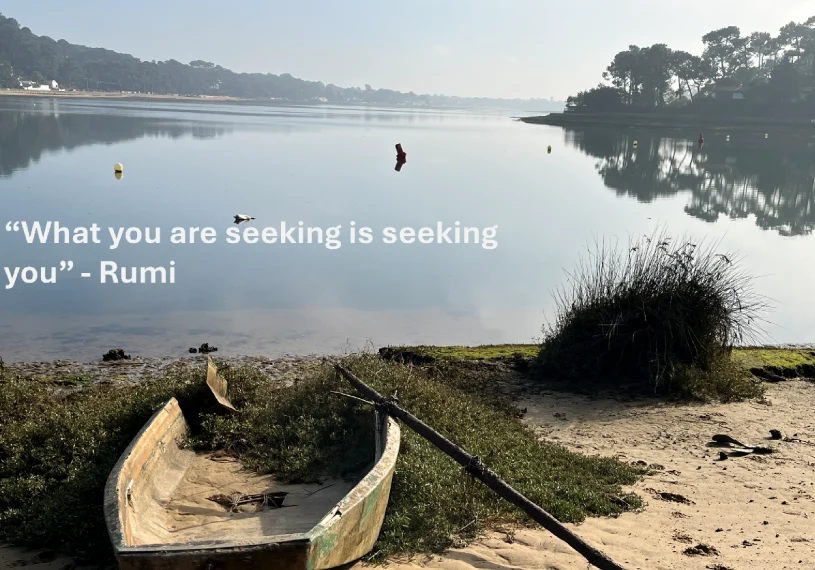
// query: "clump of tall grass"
[[662, 314]]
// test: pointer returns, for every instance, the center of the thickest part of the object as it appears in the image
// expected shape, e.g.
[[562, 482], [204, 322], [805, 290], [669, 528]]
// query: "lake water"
[[196, 165]]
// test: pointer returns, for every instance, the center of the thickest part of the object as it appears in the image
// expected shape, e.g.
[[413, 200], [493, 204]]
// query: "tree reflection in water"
[[772, 178], [28, 133]]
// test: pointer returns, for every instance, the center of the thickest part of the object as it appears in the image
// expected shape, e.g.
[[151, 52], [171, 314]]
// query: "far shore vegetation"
[[761, 76], [27, 59]]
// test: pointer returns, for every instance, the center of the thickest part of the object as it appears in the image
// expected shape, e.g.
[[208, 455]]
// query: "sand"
[[186, 514], [758, 512], [126, 95]]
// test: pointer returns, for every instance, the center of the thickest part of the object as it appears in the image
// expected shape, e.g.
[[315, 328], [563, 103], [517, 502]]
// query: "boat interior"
[[174, 496]]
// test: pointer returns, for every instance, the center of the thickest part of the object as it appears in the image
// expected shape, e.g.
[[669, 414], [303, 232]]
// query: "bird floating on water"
[[241, 218]]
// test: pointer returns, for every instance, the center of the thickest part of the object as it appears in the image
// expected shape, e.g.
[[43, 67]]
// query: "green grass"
[[723, 380], [727, 383], [748, 357], [483, 352], [785, 358], [56, 453], [68, 380]]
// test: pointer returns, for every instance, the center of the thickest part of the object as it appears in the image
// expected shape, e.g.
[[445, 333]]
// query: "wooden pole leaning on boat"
[[477, 469]]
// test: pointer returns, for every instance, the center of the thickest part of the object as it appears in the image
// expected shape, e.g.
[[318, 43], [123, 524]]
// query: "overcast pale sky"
[[489, 48]]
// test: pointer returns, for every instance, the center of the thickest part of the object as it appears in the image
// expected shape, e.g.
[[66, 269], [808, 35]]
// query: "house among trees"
[[727, 91], [773, 75]]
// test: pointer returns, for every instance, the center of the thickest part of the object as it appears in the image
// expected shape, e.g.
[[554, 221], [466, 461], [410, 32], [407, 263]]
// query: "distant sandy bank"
[[119, 96], [668, 121]]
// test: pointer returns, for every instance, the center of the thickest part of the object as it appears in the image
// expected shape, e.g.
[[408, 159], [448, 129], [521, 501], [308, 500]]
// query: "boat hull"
[[346, 533]]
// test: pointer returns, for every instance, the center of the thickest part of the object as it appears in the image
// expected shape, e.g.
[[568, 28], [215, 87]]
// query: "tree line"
[[26, 56], [774, 72]]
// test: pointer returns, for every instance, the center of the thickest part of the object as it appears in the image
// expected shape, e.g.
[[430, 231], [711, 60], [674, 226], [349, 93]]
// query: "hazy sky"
[[495, 48]]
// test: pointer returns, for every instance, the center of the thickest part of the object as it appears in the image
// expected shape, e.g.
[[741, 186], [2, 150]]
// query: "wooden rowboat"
[[162, 510]]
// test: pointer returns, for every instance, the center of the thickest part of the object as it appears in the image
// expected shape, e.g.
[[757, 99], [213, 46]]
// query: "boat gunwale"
[[111, 496], [384, 464], [378, 472]]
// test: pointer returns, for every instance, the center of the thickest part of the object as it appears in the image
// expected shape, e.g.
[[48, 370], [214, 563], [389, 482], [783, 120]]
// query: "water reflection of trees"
[[25, 134], [773, 178]]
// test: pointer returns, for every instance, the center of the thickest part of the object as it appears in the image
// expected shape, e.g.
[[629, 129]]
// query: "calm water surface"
[[196, 165]]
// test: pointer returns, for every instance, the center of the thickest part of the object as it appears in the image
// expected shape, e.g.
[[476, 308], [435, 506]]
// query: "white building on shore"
[[33, 86]]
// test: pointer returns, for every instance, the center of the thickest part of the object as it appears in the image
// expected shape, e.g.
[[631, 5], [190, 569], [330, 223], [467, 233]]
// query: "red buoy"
[[401, 157]]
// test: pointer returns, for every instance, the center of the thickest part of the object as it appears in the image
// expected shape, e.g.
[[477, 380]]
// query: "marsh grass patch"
[[660, 314]]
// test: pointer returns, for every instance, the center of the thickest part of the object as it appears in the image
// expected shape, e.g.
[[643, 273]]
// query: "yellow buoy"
[[118, 167], [549, 149], [118, 175], [635, 144]]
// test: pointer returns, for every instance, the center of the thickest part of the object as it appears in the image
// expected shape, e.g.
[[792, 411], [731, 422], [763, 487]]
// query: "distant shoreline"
[[116, 96], [121, 96], [666, 121]]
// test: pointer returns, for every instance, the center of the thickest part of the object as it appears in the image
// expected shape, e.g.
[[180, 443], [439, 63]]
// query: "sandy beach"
[[117, 95], [755, 512]]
